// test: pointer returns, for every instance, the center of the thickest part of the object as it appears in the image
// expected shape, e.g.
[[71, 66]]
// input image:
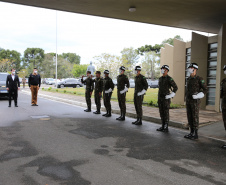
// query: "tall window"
[[211, 75]]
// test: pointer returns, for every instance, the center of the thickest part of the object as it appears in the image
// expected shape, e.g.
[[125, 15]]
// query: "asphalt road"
[[56, 143]]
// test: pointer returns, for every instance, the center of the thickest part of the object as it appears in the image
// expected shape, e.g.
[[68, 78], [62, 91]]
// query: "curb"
[[115, 111]]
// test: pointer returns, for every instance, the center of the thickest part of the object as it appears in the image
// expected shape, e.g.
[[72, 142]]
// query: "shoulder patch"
[[171, 79], [144, 77], [203, 81]]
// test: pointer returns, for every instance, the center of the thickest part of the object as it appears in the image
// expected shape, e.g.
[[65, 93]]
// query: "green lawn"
[[150, 99]]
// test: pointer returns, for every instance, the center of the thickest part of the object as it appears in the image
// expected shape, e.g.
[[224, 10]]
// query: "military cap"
[[98, 72], [122, 68], [165, 67], [106, 71], [194, 65], [88, 72], [138, 68], [224, 68]]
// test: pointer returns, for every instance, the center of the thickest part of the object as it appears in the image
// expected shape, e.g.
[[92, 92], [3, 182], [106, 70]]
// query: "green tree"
[[150, 65], [23, 73], [72, 57], [1, 49], [5, 65], [48, 66], [64, 68], [170, 40], [13, 57], [129, 60], [109, 62], [79, 70], [33, 57]]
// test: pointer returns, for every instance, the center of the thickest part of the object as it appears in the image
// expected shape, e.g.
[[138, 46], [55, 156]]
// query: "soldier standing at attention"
[[107, 92], [167, 90], [141, 87], [98, 91], [122, 88], [223, 101], [195, 90], [34, 82], [89, 90]]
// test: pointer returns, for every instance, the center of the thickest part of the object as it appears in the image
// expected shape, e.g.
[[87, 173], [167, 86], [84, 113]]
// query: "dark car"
[[69, 83], [3, 90]]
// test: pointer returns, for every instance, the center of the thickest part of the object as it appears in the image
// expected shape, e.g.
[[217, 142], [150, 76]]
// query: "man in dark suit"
[[13, 85]]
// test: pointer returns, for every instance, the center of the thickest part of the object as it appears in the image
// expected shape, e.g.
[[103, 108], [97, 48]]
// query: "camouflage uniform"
[[223, 97], [195, 85], [89, 89], [108, 83], [140, 84], [122, 80], [98, 89], [166, 83]]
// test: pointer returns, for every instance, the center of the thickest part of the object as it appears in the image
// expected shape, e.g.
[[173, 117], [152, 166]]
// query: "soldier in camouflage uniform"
[[122, 88], [141, 87], [223, 101], [89, 89], [107, 92], [167, 90], [195, 90], [98, 91]]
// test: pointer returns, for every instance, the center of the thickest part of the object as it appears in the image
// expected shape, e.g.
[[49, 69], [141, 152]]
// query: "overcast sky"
[[88, 36]]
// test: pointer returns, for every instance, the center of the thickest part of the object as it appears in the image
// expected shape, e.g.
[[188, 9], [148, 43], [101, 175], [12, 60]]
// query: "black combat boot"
[[109, 114], [166, 128], [119, 117], [139, 122], [135, 121], [122, 118], [97, 112], [194, 135], [88, 110], [105, 114], [224, 146], [161, 128], [188, 136]]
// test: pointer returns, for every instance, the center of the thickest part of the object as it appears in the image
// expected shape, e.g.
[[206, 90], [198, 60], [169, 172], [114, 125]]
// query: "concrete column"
[[179, 57], [199, 55], [168, 57], [221, 61]]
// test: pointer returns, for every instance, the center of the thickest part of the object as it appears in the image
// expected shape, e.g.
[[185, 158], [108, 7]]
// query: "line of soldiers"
[[195, 90]]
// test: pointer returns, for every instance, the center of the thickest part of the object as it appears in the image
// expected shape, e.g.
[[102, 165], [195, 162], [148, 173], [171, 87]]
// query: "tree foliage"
[[150, 65], [79, 70], [72, 58], [23, 73], [129, 60], [5, 65], [170, 40], [13, 58], [33, 57], [109, 62]]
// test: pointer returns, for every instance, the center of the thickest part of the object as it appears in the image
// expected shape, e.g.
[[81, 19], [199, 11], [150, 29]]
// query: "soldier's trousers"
[[224, 117], [122, 102], [88, 99], [107, 101], [164, 105], [138, 101], [97, 99], [192, 108]]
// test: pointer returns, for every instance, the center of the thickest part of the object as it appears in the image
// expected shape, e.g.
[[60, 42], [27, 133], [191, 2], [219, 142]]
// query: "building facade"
[[209, 53]]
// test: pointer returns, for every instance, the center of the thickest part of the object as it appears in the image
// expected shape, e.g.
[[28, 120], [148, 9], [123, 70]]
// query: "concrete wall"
[[168, 57], [179, 57], [199, 55], [221, 61]]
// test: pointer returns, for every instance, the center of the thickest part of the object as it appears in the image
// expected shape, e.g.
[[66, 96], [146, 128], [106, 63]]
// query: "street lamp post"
[[56, 48]]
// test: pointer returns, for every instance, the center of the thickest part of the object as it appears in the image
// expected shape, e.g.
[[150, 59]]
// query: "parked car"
[[69, 83], [3, 90], [153, 84], [51, 81]]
